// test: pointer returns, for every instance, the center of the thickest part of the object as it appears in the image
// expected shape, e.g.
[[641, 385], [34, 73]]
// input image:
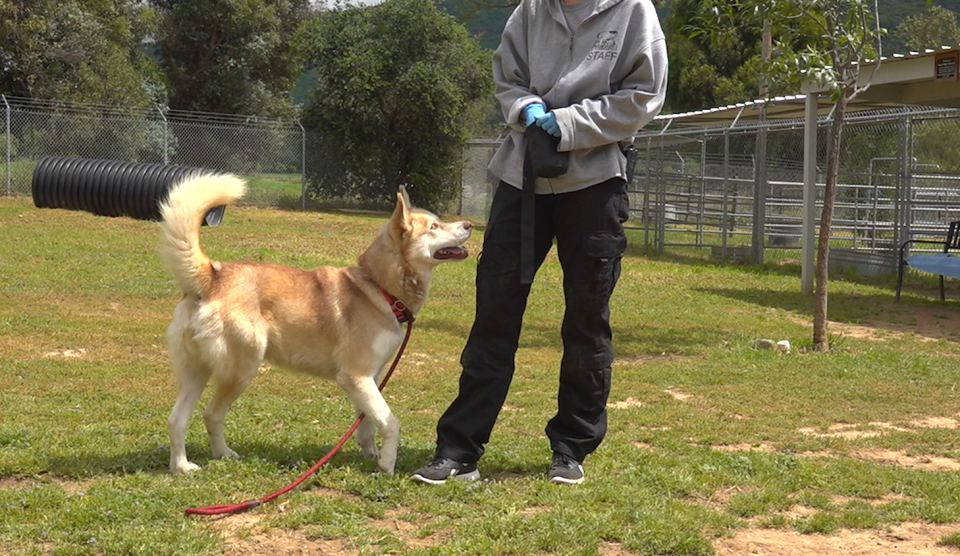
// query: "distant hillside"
[[486, 24], [893, 12]]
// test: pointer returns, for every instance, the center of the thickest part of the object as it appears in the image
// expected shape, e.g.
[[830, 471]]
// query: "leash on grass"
[[403, 315]]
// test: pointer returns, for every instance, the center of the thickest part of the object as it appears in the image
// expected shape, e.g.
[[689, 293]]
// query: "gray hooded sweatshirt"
[[604, 82]]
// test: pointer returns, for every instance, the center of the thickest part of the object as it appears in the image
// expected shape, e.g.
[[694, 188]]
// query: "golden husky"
[[335, 323]]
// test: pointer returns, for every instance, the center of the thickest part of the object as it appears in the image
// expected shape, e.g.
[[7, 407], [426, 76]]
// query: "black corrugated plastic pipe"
[[110, 187]]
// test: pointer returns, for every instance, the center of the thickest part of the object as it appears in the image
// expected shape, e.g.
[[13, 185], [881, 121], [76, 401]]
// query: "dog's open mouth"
[[451, 253]]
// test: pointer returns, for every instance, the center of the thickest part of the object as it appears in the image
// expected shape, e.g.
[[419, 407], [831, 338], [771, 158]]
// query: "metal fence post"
[[9, 147], [645, 207], [904, 180], [166, 148], [303, 165], [810, 130], [725, 218], [760, 190]]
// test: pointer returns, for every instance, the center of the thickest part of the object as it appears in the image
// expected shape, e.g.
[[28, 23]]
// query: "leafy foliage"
[[895, 12], [78, 50], [716, 58], [846, 35], [231, 56], [398, 87], [935, 28]]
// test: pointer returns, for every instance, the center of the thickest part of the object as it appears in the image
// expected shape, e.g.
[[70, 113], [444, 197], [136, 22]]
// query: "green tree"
[[231, 56], [937, 27], [717, 55], [399, 86], [78, 50], [848, 35]]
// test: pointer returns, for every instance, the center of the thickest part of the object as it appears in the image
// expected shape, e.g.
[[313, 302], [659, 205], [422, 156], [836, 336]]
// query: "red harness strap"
[[400, 309]]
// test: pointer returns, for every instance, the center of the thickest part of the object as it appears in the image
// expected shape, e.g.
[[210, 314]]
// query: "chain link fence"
[[270, 153], [736, 192], [726, 192]]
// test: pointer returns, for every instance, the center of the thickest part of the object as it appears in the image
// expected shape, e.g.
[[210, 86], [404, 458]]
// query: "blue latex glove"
[[548, 122], [531, 112]]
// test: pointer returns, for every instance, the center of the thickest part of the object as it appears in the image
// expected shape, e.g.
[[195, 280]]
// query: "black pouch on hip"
[[632, 154], [542, 153]]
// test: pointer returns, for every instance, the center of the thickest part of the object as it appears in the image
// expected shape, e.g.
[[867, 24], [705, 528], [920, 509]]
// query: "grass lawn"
[[709, 437]]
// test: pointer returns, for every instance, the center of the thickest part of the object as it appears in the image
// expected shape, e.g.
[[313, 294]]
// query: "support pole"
[[809, 192], [166, 148], [9, 146], [303, 166]]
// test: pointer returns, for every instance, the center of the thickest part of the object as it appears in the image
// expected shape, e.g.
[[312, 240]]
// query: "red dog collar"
[[400, 309]]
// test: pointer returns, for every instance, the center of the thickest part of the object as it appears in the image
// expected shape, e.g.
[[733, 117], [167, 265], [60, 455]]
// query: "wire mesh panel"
[[729, 192], [44, 128], [267, 153], [737, 192]]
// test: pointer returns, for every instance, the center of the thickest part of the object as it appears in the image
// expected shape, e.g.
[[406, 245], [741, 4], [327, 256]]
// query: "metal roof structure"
[[928, 78], [916, 78]]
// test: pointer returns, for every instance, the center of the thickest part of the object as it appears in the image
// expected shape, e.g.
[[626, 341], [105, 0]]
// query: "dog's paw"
[[387, 465], [226, 453], [183, 468]]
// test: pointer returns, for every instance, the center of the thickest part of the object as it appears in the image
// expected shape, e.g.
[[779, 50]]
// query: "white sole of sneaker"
[[565, 481]]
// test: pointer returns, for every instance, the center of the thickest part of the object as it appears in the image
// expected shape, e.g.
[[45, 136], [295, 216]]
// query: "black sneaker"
[[565, 470], [440, 469]]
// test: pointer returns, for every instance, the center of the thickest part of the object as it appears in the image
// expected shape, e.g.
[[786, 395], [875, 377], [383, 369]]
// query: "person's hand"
[[531, 112], [548, 122]]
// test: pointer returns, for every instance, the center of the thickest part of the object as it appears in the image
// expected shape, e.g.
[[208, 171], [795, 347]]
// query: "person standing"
[[591, 74]]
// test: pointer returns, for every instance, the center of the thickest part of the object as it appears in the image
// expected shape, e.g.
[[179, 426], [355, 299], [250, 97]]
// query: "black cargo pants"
[[588, 228]]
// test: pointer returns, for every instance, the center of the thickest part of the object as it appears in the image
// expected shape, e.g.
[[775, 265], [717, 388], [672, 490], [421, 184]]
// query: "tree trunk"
[[821, 340]]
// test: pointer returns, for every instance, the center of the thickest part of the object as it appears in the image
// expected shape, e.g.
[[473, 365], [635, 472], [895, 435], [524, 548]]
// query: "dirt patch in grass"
[[852, 431], [67, 353], [624, 404], [878, 428], [936, 423], [913, 539], [11, 483], [678, 395], [407, 531], [745, 447], [73, 487], [284, 542], [243, 536], [892, 457]]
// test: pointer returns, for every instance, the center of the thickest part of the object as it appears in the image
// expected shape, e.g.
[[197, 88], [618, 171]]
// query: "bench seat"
[[944, 263]]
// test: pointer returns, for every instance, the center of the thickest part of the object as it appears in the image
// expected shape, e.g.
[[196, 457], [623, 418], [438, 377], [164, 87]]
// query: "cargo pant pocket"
[[605, 249]]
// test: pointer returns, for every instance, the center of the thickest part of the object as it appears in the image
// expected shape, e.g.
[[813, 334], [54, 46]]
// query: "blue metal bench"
[[943, 263]]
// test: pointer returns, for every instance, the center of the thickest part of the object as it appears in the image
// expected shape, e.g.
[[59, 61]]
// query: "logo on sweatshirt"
[[606, 47]]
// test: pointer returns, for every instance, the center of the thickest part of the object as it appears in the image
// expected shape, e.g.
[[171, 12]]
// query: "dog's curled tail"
[[182, 215]]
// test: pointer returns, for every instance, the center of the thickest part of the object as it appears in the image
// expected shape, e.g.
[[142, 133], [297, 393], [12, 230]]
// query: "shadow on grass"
[[283, 456], [909, 316], [87, 465], [784, 267], [632, 340]]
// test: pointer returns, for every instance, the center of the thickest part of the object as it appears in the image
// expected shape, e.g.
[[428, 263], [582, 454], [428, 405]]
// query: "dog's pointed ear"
[[401, 222]]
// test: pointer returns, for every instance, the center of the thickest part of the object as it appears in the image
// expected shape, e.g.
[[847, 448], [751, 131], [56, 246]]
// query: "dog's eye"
[[434, 226]]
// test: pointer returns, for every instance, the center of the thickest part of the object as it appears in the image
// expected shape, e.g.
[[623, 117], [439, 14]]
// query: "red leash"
[[403, 315]]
